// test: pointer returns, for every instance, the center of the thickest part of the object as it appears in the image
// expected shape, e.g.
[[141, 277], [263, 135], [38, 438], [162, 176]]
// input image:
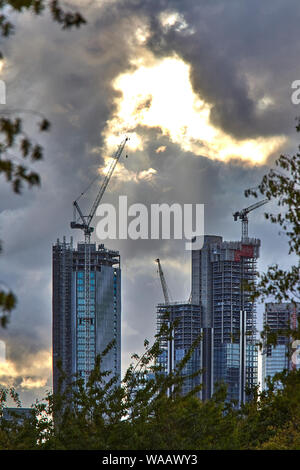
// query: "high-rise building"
[[186, 322], [279, 318], [202, 296], [78, 338], [219, 273]]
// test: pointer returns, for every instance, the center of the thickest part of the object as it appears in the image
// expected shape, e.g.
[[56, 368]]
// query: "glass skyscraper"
[[78, 338]]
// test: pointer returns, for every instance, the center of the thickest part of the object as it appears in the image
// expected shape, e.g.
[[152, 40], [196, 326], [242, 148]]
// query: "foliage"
[[136, 414], [265, 419], [139, 414], [282, 184], [148, 411], [67, 19]]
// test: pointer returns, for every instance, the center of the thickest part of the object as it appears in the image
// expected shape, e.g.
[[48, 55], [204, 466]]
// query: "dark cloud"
[[238, 52]]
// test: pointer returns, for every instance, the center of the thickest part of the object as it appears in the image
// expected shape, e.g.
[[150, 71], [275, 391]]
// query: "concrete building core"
[[220, 272]]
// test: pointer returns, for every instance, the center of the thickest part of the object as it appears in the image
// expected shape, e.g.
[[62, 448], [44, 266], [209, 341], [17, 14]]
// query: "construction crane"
[[85, 225], [243, 216], [170, 362], [86, 220], [163, 283]]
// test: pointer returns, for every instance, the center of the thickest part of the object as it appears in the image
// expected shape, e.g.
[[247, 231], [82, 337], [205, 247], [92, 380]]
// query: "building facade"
[[185, 319], [79, 336], [219, 273], [279, 318]]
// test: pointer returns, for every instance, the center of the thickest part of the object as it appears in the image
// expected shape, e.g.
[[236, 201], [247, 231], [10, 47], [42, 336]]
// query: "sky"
[[203, 90]]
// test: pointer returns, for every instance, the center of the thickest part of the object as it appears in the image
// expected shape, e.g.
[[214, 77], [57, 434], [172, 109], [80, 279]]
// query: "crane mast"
[[243, 216], [85, 225], [163, 283]]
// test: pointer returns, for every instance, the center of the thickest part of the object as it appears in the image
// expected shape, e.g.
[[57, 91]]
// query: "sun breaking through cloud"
[[159, 94]]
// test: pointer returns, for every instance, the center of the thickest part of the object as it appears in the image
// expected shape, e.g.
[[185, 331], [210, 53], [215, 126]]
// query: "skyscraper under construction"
[[80, 334], [183, 322], [186, 321], [229, 354], [87, 297]]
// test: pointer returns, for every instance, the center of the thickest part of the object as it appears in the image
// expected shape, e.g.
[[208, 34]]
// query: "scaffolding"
[[185, 322], [62, 309], [77, 339], [234, 315]]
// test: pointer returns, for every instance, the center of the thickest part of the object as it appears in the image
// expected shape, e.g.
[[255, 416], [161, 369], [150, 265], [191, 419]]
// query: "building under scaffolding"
[[184, 318], [220, 272], [78, 339]]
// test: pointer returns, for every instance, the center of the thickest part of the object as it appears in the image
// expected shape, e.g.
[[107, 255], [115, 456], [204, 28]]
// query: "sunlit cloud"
[[161, 149], [135, 141], [265, 102], [159, 94], [172, 18], [122, 173], [30, 383], [146, 175], [142, 34]]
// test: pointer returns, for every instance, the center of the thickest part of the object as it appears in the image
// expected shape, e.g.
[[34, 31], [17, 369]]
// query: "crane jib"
[[86, 220]]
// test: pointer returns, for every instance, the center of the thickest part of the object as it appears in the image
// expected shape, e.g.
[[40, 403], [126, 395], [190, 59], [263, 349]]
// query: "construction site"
[[220, 312]]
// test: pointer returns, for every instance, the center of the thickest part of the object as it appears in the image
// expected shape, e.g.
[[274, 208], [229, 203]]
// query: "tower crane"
[[243, 216], [170, 360], [163, 283], [85, 225], [86, 220]]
